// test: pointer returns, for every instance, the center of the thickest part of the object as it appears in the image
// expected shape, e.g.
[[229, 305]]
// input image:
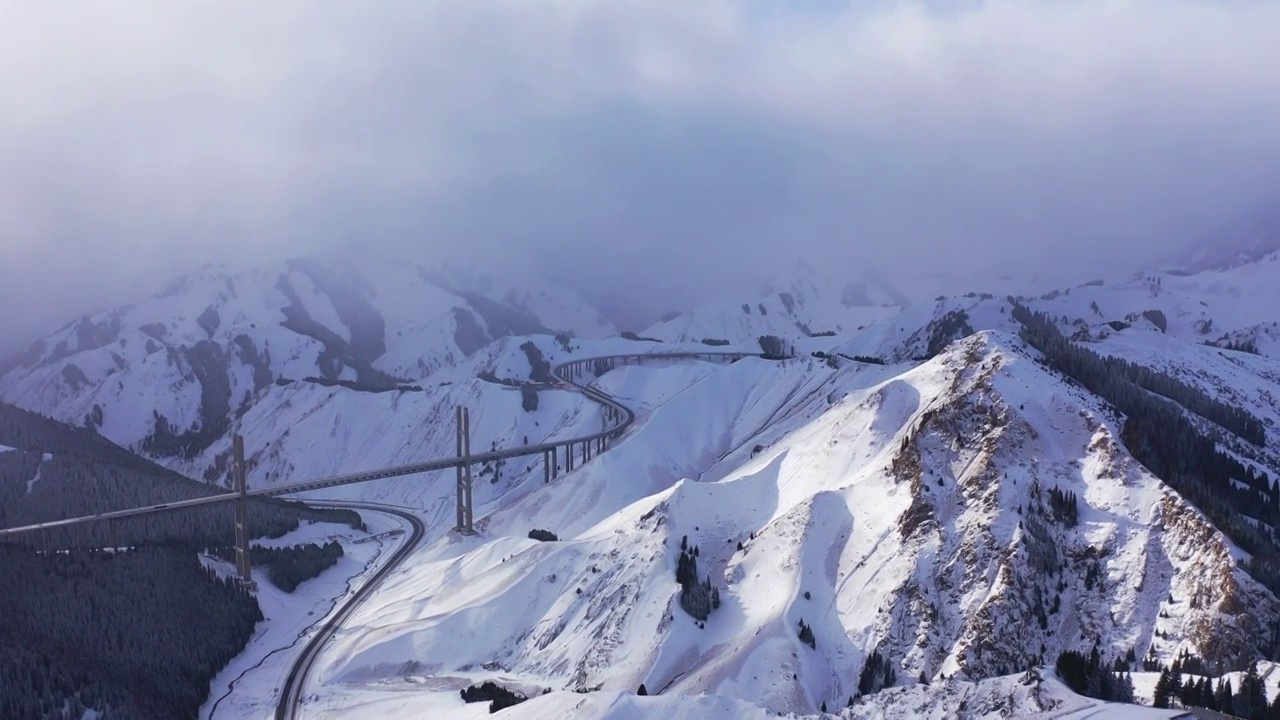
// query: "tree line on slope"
[[139, 632], [1249, 702], [1088, 675], [288, 567], [1158, 433], [1116, 375], [136, 634]]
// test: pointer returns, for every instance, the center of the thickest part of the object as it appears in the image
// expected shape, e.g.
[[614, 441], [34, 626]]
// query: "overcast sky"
[[669, 149]]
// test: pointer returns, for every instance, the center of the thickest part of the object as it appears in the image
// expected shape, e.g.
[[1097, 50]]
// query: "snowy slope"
[[1009, 696], [303, 431], [995, 698], [168, 375], [908, 502]]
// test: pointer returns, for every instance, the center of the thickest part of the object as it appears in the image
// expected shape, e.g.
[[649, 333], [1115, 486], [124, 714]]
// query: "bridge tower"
[[238, 472], [465, 516]]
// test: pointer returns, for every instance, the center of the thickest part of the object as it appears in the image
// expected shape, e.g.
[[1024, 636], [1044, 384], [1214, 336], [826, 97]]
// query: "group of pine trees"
[[773, 347], [697, 597], [539, 367], [945, 330], [498, 697], [1088, 675], [1064, 507], [288, 567], [1248, 702], [1241, 502], [877, 674], [135, 634], [805, 634]]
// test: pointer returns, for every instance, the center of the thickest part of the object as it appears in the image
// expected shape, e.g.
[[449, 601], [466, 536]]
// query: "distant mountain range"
[[928, 496]]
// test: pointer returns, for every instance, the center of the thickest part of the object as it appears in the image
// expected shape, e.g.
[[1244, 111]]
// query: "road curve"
[[295, 684], [563, 371]]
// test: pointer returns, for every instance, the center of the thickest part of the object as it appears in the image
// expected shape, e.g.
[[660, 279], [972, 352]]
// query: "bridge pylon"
[[240, 486], [550, 465], [464, 510]]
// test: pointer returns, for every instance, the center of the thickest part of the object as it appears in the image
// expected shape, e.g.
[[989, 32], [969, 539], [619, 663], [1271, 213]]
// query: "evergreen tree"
[[1160, 697], [1226, 698]]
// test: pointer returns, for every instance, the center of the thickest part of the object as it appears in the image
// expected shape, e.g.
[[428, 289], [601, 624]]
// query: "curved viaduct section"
[[583, 448]]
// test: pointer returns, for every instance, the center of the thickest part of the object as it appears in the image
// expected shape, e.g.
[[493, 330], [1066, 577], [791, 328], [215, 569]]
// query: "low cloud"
[[680, 149]]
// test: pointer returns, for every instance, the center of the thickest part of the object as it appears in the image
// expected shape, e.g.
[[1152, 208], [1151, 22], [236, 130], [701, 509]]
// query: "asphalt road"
[[291, 694]]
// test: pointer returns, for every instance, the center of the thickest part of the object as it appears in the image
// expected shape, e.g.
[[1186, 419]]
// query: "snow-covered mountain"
[[926, 492], [796, 304], [905, 511], [169, 375]]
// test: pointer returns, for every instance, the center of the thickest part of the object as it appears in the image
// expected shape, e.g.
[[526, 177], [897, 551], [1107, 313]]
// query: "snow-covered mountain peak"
[[168, 374]]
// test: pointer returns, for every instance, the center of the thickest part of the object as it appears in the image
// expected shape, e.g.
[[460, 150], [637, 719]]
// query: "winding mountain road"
[[292, 693]]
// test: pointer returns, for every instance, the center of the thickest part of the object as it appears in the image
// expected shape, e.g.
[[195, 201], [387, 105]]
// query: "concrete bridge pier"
[[113, 536], [549, 465], [465, 516], [244, 571]]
